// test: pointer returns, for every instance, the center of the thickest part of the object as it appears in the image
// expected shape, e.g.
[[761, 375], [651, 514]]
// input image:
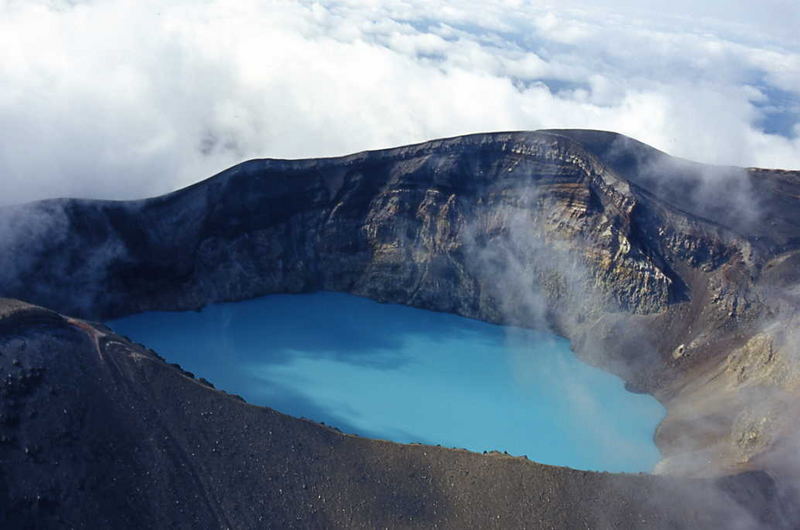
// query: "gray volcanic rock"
[[97, 432], [679, 277]]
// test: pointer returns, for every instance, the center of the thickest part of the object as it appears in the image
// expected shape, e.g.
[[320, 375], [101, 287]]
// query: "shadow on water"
[[290, 401], [223, 338], [323, 325]]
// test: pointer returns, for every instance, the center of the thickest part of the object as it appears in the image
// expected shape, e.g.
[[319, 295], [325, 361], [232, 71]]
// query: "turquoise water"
[[398, 373]]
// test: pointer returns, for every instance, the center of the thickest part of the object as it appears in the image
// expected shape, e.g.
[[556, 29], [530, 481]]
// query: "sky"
[[133, 98]]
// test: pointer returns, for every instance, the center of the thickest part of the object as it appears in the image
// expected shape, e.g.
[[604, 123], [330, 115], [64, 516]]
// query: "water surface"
[[409, 375]]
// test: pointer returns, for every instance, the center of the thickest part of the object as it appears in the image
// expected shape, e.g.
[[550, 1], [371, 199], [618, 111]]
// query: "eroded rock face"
[[665, 272]]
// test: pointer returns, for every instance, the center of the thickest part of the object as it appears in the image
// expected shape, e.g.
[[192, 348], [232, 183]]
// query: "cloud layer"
[[124, 98]]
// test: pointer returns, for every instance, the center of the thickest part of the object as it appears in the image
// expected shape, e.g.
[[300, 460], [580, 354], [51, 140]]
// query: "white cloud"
[[124, 98]]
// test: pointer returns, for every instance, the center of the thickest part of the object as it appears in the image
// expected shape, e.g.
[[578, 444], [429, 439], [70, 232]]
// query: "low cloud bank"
[[125, 99]]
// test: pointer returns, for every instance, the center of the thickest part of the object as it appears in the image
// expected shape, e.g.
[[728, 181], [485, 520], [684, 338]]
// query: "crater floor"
[[408, 375]]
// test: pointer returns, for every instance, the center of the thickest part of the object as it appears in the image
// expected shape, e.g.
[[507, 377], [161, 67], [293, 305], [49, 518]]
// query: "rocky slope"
[[96, 432], [679, 277]]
